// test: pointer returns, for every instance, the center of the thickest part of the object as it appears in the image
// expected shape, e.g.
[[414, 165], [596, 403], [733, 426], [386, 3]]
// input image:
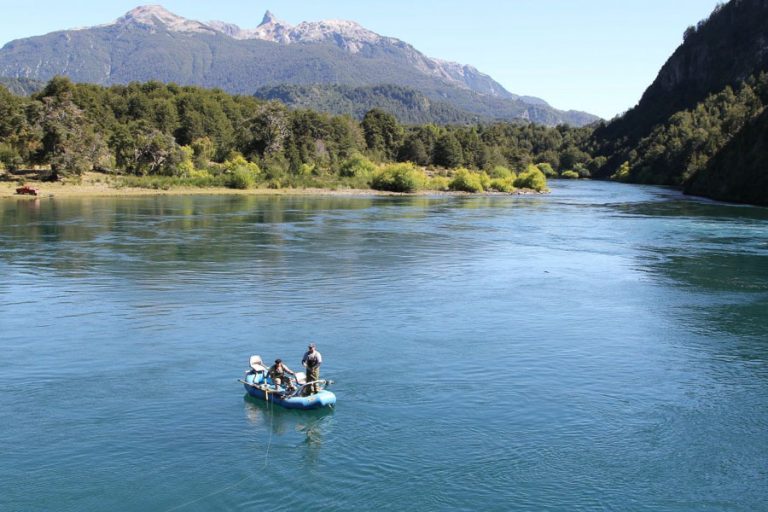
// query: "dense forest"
[[676, 150], [208, 137]]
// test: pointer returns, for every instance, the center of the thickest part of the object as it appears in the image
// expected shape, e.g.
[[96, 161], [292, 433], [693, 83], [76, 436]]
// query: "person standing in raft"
[[312, 361], [278, 372]]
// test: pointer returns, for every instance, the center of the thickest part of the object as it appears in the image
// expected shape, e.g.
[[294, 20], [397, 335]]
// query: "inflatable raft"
[[258, 385]]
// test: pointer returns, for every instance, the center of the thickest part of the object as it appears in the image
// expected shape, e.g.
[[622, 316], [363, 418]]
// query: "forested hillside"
[[739, 172], [408, 105], [712, 87], [412, 106], [21, 86]]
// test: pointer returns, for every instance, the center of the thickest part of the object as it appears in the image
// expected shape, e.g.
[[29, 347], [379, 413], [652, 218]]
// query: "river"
[[603, 347]]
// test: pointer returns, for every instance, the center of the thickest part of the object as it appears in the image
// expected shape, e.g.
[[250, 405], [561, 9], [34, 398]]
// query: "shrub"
[[185, 167], [399, 178], [238, 161], [532, 178], [306, 169], [501, 172], [466, 181], [202, 178], [276, 170], [622, 174], [240, 178], [202, 151], [485, 180], [9, 158], [582, 170], [240, 173], [356, 165], [441, 183], [570, 175], [503, 184], [547, 169]]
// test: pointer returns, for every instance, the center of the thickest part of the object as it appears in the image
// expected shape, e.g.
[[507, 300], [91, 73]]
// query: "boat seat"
[[301, 378], [257, 364]]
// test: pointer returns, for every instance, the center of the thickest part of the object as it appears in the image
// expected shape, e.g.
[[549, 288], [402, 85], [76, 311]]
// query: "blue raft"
[[258, 385]]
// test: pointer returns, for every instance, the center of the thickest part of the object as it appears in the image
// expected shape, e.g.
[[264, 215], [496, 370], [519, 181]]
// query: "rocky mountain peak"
[[157, 16], [269, 18]]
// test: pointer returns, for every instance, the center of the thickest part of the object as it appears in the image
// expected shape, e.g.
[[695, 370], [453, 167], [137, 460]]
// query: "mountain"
[[151, 43], [707, 99], [21, 86], [408, 105], [411, 106]]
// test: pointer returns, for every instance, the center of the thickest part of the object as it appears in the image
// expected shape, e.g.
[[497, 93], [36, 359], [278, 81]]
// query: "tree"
[[19, 138], [382, 132], [413, 150], [143, 150], [448, 151], [269, 129], [70, 144], [203, 151]]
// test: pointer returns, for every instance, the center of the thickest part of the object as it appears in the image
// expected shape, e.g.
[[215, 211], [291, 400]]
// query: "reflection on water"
[[313, 425]]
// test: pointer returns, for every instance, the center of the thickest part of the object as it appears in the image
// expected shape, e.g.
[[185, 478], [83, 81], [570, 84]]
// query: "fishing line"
[[211, 494], [271, 428], [246, 477]]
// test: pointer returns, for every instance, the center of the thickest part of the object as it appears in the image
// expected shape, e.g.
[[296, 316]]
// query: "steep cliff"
[[723, 50]]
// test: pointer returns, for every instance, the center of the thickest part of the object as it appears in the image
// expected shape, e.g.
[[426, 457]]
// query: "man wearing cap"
[[312, 361]]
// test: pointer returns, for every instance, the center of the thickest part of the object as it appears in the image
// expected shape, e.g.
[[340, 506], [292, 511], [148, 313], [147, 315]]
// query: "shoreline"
[[90, 187]]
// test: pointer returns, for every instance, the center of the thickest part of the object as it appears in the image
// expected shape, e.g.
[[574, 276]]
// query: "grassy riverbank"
[[95, 184]]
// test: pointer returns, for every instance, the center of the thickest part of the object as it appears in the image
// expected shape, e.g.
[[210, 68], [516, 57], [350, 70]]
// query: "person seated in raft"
[[278, 372]]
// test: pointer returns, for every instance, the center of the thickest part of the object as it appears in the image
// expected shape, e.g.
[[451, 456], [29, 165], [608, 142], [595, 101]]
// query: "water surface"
[[601, 347]]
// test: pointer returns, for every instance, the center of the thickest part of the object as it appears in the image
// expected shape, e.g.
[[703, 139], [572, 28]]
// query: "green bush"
[[503, 184], [570, 175], [356, 165], [441, 183], [532, 178], [240, 173], [276, 170], [501, 172], [399, 178], [241, 178], [547, 169], [9, 158], [622, 174], [582, 170], [468, 181]]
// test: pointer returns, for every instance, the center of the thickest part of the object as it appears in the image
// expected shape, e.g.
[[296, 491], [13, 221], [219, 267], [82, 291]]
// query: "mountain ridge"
[[151, 43]]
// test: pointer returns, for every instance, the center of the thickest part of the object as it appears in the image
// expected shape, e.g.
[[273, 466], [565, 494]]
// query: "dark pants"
[[313, 373]]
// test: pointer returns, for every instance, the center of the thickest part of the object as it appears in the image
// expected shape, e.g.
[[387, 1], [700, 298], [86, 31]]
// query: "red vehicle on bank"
[[27, 190]]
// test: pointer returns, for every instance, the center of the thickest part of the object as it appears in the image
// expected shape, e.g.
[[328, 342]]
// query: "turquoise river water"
[[603, 347]]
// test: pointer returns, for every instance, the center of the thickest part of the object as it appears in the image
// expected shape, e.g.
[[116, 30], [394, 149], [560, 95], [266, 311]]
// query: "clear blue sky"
[[591, 55]]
